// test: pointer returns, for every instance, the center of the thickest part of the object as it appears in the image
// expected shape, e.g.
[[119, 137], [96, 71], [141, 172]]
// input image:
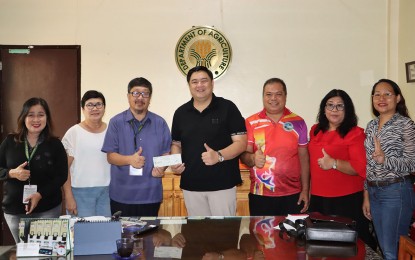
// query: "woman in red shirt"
[[338, 162]]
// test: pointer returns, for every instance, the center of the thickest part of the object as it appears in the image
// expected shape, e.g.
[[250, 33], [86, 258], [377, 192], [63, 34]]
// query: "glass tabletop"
[[227, 238]]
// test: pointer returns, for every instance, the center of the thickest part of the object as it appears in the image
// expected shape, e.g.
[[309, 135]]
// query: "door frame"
[[5, 236], [78, 83]]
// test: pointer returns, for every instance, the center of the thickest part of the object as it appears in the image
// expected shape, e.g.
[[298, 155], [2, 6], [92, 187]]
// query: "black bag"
[[330, 228], [330, 249]]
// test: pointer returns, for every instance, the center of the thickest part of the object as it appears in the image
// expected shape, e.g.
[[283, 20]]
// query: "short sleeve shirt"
[[279, 141], [214, 126], [90, 167], [122, 137]]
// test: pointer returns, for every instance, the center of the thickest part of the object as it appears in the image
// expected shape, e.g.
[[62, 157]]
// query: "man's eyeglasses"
[[137, 94], [91, 106], [384, 95], [339, 107]]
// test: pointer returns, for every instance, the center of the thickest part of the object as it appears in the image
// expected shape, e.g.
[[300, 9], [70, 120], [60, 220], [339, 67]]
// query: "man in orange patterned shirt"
[[277, 156]]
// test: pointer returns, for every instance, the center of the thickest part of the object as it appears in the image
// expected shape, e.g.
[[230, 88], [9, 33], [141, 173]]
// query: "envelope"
[[167, 160]]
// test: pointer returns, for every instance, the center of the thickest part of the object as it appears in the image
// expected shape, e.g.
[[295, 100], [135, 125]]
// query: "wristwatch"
[[334, 164], [221, 159]]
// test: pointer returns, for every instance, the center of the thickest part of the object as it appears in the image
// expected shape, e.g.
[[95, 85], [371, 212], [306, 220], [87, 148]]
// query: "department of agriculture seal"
[[203, 46]]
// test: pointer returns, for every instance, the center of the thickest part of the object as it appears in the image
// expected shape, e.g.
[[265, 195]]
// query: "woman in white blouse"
[[86, 190]]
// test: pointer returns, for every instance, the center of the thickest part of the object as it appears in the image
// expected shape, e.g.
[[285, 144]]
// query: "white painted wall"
[[314, 46], [407, 50]]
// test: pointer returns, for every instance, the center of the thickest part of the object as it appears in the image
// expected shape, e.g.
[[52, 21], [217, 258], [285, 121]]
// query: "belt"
[[387, 182]]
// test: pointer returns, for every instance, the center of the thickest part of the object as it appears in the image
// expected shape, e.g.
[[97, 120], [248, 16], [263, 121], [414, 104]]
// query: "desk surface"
[[234, 237]]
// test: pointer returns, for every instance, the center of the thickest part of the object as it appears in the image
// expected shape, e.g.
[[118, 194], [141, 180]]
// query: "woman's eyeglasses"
[[384, 95], [339, 107], [91, 106]]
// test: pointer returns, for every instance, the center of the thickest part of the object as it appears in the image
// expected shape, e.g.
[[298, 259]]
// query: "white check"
[[167, 160]]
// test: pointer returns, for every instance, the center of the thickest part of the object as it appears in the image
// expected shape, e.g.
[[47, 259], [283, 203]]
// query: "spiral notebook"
[[96, 237]]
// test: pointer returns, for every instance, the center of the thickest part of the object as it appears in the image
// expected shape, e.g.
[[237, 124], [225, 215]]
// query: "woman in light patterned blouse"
[[390, 152]]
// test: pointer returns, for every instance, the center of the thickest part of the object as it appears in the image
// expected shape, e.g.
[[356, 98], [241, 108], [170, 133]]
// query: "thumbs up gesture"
[[259, 158], [378, 155], [326, 162], [20, 172], [137, 161], [210, 157]]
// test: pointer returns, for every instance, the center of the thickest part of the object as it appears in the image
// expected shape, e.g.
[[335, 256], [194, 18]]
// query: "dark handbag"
[[330, 249], [330, 228]]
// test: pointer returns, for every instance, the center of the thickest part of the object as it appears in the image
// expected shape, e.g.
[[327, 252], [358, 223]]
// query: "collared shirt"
[[279, 141], [214, 126], [155, 140], [397, 140]]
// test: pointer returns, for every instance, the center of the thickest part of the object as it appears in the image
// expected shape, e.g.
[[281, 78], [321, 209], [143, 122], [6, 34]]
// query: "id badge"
[[27, 191], [135, 171]]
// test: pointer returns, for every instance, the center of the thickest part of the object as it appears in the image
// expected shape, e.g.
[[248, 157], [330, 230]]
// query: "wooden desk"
[[232, 236]]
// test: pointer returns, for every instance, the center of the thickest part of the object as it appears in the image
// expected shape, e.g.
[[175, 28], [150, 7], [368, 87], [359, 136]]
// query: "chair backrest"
[[406, 248]]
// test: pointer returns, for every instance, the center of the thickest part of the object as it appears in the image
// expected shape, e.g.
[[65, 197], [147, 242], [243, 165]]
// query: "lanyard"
[[29, 157], [26, 149], [138, 128]]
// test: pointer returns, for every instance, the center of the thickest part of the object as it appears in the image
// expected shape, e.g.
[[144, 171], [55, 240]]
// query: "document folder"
[[96, 237]]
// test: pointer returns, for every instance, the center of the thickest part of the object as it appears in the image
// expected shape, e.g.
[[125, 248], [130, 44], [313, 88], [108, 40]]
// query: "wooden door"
[[49, 72]]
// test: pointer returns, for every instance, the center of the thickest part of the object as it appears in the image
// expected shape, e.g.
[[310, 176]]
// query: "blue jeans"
[[13, 220], [391, 208], [92, 201]]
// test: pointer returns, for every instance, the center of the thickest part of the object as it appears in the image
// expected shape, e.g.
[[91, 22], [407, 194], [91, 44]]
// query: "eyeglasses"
[[137, 94], [91, 106], [384, 95], [339, 107]]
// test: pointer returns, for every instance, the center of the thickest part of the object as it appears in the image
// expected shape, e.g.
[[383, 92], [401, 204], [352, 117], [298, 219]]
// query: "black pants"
[[347, 206], [135, 210], [274, 206]]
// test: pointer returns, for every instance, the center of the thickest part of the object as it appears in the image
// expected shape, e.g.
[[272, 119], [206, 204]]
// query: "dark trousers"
[[347, 206], [274, 206], [136, 210]]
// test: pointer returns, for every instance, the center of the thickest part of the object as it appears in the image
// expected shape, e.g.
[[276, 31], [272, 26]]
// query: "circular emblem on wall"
[[203, 46]]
